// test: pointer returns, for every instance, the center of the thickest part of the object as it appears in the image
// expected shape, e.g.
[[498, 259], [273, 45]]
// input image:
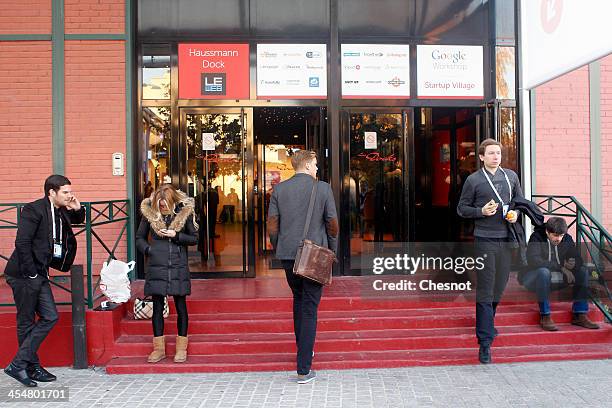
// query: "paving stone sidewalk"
[[549, 384]]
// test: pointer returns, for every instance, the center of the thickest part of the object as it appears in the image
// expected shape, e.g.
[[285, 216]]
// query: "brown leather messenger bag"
[[313, 261]]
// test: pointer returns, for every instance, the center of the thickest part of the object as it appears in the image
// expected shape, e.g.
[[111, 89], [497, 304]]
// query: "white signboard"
[[208, 141], [370, 140], [450, 72], [291, 71], [375, 71], [558, 36]]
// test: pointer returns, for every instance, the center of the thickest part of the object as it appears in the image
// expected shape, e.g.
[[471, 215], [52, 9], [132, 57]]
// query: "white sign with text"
[[370, 140], [208, 141], [450, 72], [291, 71], [375, 71]]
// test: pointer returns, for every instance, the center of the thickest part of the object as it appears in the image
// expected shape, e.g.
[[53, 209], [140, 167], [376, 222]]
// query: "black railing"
[[97, 214]]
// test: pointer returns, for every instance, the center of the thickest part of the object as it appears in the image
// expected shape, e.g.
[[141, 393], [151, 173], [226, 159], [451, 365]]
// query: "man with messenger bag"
[[302, 222]]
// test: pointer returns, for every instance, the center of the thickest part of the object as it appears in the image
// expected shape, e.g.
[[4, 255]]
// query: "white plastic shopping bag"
[[114, 280]]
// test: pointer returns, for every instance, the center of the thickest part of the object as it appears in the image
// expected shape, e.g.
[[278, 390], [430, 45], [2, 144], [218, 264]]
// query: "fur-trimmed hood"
[[157, 222]]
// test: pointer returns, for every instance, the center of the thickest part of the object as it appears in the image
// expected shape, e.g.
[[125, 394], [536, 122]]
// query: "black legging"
[[158, 315]]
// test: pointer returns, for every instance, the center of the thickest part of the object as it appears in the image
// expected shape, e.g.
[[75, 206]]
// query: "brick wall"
[[606, 140], [25, 17], [95, 128], [95, 117], [562, 137], [25, 119], [94, 16], [95, 111]]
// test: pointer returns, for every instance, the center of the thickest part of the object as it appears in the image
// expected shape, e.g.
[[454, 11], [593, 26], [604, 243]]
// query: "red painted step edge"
[[346, 360]]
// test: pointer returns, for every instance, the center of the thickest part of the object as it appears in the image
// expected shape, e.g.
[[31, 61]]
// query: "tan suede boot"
[[159, 350], [581, 319], [181, 349], [547, 323]]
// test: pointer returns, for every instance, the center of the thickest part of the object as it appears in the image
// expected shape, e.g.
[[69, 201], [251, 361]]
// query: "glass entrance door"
[[446, 144], [217, 148], [280, 132], [376, 188]]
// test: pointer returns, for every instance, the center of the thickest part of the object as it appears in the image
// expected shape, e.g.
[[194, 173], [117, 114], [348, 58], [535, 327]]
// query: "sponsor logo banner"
[[291, 71], [375, 71]]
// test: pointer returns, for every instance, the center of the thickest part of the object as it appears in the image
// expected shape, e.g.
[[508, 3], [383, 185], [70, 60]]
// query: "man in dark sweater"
[[552, 257], [485, 198]]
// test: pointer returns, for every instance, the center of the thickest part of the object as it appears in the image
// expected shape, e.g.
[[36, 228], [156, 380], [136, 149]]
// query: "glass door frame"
[[319, 144], [408, 177], [248, 208]]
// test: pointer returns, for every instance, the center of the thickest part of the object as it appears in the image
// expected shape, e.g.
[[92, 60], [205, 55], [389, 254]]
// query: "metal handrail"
[[97, 213], [588, 231]]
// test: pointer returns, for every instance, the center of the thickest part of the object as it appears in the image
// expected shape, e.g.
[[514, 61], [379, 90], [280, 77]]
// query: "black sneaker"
[[306, 378], [484, 354], [40, 374], [20, 375]]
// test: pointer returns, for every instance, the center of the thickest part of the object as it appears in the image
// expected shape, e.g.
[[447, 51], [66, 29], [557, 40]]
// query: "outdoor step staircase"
[[257, 335]]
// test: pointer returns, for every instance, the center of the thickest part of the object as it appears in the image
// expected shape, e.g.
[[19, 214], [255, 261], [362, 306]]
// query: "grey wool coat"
[[167, 270], [287, 216]]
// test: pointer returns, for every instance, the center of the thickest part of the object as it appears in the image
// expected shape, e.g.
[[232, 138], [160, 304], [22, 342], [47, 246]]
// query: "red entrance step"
[[347, 360], [353, 332]]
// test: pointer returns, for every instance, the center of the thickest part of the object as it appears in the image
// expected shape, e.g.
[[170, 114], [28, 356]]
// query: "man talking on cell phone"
[[44, 239], [485, 198]]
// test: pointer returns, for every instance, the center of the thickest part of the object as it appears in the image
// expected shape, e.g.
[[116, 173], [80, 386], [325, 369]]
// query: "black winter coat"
[[167, 270], [34, 241]]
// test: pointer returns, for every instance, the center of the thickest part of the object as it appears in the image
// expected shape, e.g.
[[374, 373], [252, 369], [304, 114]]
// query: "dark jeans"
[[538, 281], [32, 297], [492, 280], [182, 320], [306, 298]]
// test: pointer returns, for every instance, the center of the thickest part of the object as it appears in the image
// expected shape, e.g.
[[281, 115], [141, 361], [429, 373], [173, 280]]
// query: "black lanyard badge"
[[57, 240]]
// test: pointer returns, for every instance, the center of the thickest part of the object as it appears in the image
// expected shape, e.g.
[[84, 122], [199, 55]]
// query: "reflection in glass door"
[[218, 179], [377, 181], [445, 150]]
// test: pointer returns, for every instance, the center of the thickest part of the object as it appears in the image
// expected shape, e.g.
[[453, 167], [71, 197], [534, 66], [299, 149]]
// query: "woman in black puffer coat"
[[168, 218]]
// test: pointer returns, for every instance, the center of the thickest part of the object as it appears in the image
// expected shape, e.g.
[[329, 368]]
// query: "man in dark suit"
[[286, 219], [44, 238]]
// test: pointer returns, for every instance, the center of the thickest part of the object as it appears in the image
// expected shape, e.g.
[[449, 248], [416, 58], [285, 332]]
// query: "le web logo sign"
[[213, 71], [213, 83]]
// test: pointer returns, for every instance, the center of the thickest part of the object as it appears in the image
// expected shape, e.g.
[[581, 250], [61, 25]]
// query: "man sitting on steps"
[[553, 257]]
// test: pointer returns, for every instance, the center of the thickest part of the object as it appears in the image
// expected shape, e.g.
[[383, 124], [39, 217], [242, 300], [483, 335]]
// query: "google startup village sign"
[[450, 72]]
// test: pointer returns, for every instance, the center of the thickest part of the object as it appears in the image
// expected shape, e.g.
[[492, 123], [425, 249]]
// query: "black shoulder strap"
[[313, 195]]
